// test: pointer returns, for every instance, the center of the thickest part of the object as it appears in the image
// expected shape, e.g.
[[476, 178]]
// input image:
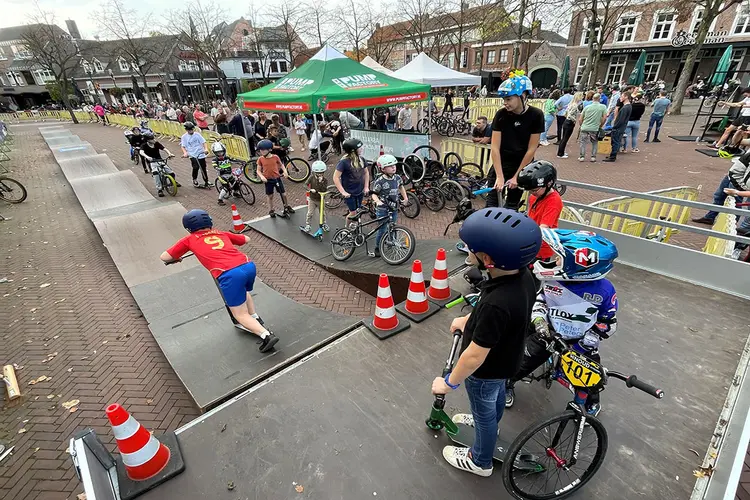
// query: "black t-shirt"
[[152, 151], [448, 98], [516, 131], [638, 108], [137, 140], [380, 117], [261, 127], [500, 323]]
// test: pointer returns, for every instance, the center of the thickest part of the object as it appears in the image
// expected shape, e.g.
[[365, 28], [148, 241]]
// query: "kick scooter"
[[322, 227]]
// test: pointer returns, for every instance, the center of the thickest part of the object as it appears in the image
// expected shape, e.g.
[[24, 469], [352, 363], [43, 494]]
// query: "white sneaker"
[[544, 143], [563, 156], [581, 158], [307, 228], [463, 418], [458, 457]]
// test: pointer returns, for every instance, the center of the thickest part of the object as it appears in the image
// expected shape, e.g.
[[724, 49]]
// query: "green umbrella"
[[638, 74], [722, 69], [330, 81], [565, 75]]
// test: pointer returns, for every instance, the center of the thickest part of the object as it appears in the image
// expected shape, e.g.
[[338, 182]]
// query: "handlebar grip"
[[483, 190], [632, 381], [455, 302]]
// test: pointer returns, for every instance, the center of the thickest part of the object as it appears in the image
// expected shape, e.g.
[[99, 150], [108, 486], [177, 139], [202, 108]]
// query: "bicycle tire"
[[423, 126], [5, 189], [416, 164], [453, 193], [471, 170], [217, 185], [411, 209], [246, 193], [342, 239], [251, 171], [333, 199], [397, 245], [536, 433], [452, 163], [434, 199], [427, 152], [298, 169], [450, 130], [136, 158], [560, 188], [405, 172], [170, 186]]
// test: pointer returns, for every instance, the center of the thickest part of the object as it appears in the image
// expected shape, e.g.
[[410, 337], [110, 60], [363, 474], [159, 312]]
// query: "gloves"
[[541, 327]]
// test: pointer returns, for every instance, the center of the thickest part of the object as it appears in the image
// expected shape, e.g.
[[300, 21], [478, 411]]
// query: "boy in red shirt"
[[270, 171], [232, 269], [545, 203]]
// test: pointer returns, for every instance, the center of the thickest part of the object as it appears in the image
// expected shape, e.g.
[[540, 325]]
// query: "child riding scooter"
[[317, 187]]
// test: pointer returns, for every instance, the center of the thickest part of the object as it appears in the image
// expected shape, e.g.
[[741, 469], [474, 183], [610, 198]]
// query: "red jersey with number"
[[214, 249], [546, 212]]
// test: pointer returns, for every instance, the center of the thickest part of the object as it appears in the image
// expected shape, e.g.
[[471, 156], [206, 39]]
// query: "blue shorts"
[[274, 184], [354, 202], [235, 284]]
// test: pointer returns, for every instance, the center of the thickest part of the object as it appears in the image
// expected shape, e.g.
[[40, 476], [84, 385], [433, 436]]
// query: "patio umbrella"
[[136, 88], [638, 74], [722, 69], [565, 75]]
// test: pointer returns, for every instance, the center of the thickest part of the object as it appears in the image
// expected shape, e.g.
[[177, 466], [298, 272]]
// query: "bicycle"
[[12, 191], [168, 182], [428, 195], [396, 246], [410, 208], [297, 168], [230, 179]]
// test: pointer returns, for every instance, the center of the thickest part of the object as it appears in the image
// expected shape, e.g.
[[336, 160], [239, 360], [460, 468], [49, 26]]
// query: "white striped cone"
[[142, 454], [385, 311], [439, 288], [416, 298], [238, 225]]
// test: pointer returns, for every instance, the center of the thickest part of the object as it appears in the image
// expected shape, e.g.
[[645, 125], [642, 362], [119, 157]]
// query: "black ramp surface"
[[684, 138], [709, 152], [349, 421], [215, 360], [287, 232]]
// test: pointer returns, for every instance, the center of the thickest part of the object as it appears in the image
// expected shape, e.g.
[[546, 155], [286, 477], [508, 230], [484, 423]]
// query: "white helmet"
[[319, 167], [218, 149], [335, 124], [387, 161]]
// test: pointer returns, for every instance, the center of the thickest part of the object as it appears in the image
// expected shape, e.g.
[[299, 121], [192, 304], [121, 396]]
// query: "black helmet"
[[537, 174], [189, 125], [148, 135], [510, 239], [351, 145]]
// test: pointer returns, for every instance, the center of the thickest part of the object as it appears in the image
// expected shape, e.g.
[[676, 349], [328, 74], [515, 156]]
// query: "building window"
[[742, 22], [585, 34], [451, 60], [245, 33], [579, 69], [129, 98], [477, 58], [2, 55], [626, 29], [86, 66], [274, 67], [283, 67], [11, 79], [20, 52], [465, 57], [256, 67], [490, 57], [192, 65], [44, 75], [408, 58], [663, 25], [653, 66], [246, 68], [616, 68], [98, 66], [182, 66], [503, 55], [738, 58], [123, 65]]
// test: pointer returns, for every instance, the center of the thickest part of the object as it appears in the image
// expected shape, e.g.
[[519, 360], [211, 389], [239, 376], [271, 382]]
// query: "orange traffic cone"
[[439, 291], [142, 454], [416, 307], [239, 226], [385, 323]]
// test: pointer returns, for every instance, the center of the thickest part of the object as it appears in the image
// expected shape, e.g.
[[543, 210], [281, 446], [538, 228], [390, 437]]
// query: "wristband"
[[454, 387]]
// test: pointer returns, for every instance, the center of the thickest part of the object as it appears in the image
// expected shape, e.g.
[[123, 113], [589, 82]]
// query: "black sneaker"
[[206, 186], [647, 140], [221, 203], [272, 214], [267, 343], [657, 140], [195, 183], [161, 194], [288, 209]]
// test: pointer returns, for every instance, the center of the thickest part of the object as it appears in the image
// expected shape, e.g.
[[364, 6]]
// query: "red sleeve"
[[180, 248], [236, 239], [550, 213]]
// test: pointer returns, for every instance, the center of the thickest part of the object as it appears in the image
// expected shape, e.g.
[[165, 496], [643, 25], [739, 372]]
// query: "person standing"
[[101, 114], [261, 126], [201, 118], [516, 130], [448, 101], [550, 110], [352, 177], [405, 123], [381, 118], [571, 118], [194, 146], [661, 108], [590, 121], [300, 128], [618, 127], [633, 128], [561, 105]]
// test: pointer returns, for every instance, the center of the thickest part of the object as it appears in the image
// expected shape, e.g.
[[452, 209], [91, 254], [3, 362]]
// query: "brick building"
[[656, 28]]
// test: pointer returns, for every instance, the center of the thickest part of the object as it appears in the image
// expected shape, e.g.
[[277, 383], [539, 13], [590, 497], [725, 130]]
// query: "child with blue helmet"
[[504, 243], [576, 301]]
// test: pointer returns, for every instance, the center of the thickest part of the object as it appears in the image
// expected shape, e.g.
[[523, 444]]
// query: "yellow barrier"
[[727, 224], [469, 152], [236, 147]]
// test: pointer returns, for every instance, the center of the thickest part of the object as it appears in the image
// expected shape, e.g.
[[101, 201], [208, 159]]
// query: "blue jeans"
[[390, 126], [720, 196], [631, 130], [548, 119], [616, 141], [487, 401], [655, 119], [382, 212]]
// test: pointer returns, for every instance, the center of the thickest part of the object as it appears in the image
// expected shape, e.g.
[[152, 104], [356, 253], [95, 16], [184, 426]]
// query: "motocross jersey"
[[581, 310]]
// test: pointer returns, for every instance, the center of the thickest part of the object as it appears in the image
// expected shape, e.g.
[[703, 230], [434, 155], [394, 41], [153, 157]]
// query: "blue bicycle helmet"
[[197, 219], [579, 256], [511, 240], [265, 145], [517, 84]]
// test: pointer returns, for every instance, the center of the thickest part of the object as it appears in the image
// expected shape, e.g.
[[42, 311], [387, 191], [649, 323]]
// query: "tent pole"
[[315, 130], [366, 122], [429, 119]]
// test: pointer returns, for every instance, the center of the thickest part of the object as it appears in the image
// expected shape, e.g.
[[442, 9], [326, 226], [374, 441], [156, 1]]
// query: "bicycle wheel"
[[433, 198], [423, 126], [12, 191], [397, 245], [560, 188], [452, 163], [247, 193], [342, 244], [251, 171], [450, 130], [453, 193], [405, 172], [551, 439], [411, 208], [298, 169], [217, 185], [416, 164], [471, 171], [333, 199], [170, 185], [427, 153], [442, 126]]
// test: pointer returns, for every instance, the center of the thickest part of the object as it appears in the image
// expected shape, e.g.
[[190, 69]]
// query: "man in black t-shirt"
[[151, 153], [503, 243], [516, 130]]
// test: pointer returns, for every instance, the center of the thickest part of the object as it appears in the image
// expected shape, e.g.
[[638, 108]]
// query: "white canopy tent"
[[373, 64], [422, 69]]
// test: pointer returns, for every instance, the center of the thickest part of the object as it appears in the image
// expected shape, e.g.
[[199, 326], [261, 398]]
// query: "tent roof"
[[330, 81], [373, 64], [422, 69]]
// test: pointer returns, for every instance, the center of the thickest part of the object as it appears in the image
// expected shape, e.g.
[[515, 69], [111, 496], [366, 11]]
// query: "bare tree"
[[53, 50], [288, 15], [319, 21], [711, 9], [262, 46], [460, 26], [491, 20], [357, 23], [383, 41], [133, 43], [422, 26]]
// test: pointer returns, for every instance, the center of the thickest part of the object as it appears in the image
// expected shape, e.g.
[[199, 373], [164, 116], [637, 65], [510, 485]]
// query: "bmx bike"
[[11, 191], [229, 178], [168, 182]]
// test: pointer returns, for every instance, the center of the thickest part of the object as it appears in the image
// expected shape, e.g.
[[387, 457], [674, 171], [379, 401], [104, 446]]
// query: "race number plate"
[[580, 371], [237, 171]]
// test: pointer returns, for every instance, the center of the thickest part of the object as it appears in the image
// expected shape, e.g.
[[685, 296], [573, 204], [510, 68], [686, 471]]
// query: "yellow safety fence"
[[469, 152], [727, 224]]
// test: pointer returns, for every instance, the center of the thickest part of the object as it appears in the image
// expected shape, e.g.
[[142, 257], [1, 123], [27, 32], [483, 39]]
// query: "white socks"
[[255, 315], [265, 334]]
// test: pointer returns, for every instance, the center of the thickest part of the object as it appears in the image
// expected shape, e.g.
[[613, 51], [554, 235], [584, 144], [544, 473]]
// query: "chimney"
[[73, 29], [536, 30]]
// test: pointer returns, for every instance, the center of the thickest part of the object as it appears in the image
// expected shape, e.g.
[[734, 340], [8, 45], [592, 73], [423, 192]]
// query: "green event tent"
[[330, 81]]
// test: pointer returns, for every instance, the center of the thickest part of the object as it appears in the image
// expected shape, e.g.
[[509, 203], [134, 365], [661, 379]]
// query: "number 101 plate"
[[580, 371]]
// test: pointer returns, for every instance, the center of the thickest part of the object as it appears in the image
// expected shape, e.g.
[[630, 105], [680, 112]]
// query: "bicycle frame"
[[386, 219]]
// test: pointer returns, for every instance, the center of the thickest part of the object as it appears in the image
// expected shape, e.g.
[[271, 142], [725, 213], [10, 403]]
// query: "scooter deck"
[[525, 461]]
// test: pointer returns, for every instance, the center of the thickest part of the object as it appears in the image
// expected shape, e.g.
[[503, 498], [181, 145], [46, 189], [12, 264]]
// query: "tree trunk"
[[521, 15], [682, 83], [145, 86], [66, 99], [204, 91]]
